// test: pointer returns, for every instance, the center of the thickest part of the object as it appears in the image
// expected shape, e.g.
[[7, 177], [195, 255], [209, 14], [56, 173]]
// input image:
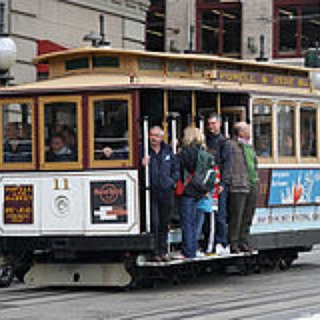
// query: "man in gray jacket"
[[243, 188]]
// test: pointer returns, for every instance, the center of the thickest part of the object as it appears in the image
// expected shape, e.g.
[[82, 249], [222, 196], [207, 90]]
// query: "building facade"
[[282, 29], [40, 25]]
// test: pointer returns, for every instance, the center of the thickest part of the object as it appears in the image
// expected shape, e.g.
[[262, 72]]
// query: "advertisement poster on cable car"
[[18, 204], [294, 187], [109, 202]]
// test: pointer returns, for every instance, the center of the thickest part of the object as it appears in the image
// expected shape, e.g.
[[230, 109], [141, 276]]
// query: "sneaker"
[[199, 254], [156, 259], [178, 256], [227, 250], [165, 258], [246, 248], [219, 249], [235, 249]]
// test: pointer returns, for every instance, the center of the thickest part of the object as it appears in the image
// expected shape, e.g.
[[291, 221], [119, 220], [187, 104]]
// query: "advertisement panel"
[[294, 187], [109, 202], [18, 204]]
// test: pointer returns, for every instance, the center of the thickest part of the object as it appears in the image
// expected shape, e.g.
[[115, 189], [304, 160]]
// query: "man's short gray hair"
[[161, 132]]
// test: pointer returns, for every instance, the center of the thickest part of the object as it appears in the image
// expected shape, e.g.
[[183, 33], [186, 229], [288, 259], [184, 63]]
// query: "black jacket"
[[220, 147], [188, 162], [164, 169]]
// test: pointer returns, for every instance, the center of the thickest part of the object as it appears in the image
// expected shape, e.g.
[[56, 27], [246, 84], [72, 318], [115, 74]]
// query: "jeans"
[[188, 210], [205, 226], [161, 208], [200, 220], [221, 235]]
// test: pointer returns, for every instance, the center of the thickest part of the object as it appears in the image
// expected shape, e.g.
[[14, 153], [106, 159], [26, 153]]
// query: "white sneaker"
[[199, 254], [227, 250], [219, 249]]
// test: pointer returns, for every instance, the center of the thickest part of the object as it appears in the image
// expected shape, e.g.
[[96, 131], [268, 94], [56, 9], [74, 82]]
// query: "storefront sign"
[[18, 204], [109, 202]]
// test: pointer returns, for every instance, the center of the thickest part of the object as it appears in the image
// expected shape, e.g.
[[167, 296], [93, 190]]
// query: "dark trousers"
[[188, 216], [241, 210], [221, 234], [161, 208]]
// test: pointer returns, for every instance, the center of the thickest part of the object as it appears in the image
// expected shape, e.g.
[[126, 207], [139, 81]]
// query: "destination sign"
[[18, 204], [262, 78]]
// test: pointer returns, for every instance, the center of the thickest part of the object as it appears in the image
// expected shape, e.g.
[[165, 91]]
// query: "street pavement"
[[272, 295]]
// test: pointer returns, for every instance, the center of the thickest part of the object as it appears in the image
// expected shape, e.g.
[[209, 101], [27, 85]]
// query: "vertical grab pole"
[[226, 128], [174, 133], [147, 176], [201, 125]]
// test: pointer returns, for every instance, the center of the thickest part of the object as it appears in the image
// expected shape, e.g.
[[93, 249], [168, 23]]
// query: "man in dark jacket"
[[219, 146], [164, 173], [243, 188]]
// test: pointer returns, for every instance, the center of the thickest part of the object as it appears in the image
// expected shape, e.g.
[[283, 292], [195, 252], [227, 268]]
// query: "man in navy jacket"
[[164, 173], [220, 148]]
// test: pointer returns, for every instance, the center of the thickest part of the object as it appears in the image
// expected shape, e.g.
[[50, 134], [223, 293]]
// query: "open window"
[[17, 134], [60, 133], [110, 131]]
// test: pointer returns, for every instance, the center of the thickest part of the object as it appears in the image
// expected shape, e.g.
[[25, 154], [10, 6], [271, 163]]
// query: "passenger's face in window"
[[11, 131], [56, 144]]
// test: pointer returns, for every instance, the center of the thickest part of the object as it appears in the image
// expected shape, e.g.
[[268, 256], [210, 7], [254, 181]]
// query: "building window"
[[308, 127], [262, 129], [155, 29], [217, 23], [296, 26], [286, 138]]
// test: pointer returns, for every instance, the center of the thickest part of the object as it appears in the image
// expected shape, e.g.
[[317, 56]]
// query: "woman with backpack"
[[190, 157]]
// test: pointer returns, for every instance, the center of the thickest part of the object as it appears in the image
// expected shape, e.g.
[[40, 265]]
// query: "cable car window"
[[111, 130], [105, 61], [308, 125], [77, 63], [262, 129], [286, 139], [151, 64], [17, 132], [60, 125], [178, 66]]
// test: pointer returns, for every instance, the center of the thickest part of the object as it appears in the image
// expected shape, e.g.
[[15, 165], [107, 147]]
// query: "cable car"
[[75, 207]]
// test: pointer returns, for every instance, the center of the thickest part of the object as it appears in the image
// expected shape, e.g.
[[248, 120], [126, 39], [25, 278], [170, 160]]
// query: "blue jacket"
[[164, 169], [205, 203]]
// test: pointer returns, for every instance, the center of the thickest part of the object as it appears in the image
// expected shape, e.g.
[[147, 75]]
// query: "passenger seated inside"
[[68, 135], [16, 148], [117, 149], [59, 151]]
